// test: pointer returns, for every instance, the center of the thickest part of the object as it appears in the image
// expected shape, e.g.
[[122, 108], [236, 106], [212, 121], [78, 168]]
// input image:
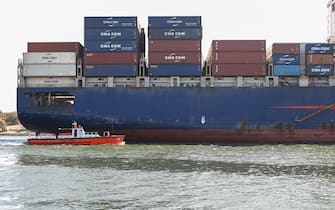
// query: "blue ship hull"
[[188, 115]]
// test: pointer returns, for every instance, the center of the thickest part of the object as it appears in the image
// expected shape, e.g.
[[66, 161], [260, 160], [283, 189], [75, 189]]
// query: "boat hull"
[[231, 136], [190, 115], [116, 140]]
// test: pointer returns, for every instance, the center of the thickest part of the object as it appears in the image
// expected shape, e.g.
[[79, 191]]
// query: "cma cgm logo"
[[319, 69], [175, 57], [286, 58], [110, 22], [110, 46], [320, 48], [110, 33], [49, 57], [174, 33], [174, 21]]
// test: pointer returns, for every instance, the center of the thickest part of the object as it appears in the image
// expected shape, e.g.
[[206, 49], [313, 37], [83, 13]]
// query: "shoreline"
[[17, 130], [17, 134]]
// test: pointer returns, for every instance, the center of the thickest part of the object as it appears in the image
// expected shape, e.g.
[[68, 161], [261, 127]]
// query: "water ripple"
[[167, 177], [177, 165]]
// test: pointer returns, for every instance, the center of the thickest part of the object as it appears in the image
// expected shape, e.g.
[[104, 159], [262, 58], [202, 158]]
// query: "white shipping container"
[[49, 57], [50, 82], [96, 79], [96, 82], [49, 70]]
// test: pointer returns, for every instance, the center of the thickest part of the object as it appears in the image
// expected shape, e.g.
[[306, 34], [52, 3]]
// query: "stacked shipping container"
[[237, 58], [175, 46], [295, 59], [52, 64], [112, 46], [319, 59], [286, 59]]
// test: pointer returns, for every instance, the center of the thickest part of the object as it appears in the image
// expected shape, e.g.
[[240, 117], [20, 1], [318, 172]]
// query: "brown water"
[[166, 176]]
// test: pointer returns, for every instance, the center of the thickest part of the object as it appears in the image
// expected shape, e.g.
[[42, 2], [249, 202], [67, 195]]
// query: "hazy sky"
[[63, 20]]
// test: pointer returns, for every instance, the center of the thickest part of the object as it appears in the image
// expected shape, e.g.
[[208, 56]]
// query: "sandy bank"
[[16, 130]]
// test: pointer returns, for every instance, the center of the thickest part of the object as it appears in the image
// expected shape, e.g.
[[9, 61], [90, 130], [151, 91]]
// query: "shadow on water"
[[177, 165]]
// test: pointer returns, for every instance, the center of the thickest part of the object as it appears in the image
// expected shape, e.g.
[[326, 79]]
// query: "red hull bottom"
[[117, 140], [225, 136]]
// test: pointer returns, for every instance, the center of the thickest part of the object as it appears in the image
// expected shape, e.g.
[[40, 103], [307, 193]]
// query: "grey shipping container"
[[50, 82], [303, 53], [49, 70], [49, 57]]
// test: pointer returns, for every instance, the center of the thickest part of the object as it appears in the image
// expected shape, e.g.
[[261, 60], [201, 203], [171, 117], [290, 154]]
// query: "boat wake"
[[13, 141]]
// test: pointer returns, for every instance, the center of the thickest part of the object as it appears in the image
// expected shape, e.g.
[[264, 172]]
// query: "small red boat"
[[78, 136]]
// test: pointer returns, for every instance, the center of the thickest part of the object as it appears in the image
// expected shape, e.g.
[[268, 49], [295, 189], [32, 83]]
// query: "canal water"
[[166, 176]]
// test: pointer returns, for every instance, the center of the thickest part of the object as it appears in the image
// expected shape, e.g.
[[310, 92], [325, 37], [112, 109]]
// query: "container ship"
[[241, 92]]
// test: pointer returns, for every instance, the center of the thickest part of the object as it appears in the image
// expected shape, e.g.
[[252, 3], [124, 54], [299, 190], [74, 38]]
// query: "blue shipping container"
[[111, 46], [109, 22], [319, 48], [175, 70], [121, 70], [286, 70], [320, 70], [93, 34], [286, 59], [175, 33], [174, 21]]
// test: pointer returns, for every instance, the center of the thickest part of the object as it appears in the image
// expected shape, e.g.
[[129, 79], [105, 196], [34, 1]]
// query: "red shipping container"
[[55, 47], [238, 45], [320, 59], [174, 45], [110, 58], [238, 57], [239, 70], [174, 57], [286, 48]]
